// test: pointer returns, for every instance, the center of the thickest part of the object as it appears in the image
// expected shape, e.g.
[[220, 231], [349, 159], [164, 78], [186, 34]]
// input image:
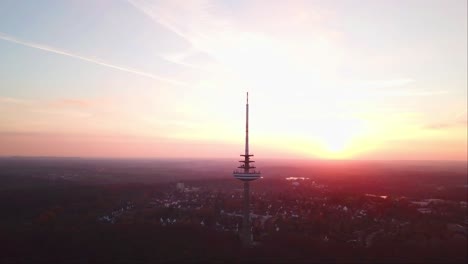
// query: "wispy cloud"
[[10, 100], [158, 18], [84, 104], [391, 88], [78, 103], [162, 14], [446, 125], [462, 116], [461, 119], [196, 22], [404, 93], [12, 39], [65, 102], [386, 83]]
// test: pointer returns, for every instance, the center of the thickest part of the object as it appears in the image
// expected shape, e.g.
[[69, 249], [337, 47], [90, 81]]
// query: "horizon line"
[[217, 158]]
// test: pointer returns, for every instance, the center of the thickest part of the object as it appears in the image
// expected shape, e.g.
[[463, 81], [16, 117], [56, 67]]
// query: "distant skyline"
[[341, 79]]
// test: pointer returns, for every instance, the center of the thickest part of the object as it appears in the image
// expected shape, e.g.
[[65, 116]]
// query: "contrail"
[[149, 12], [158, 19], [92, 60]]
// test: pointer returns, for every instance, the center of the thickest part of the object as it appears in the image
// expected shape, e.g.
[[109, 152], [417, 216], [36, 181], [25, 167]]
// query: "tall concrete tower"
[[246, 174]]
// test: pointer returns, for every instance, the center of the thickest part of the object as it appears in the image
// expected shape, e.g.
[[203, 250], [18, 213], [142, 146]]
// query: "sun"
[[335, 143], [337, 138]]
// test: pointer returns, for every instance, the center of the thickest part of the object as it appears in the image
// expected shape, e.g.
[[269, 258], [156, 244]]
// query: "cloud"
[[10, 100], [386, 83], [391, 88], [263, 45], [88, 102], [442, 125], [56, 103], [75, 102], [404, 93], [191, 24], [6, 37], [460, 119], [158, 18], [453, 124], [462, 116]]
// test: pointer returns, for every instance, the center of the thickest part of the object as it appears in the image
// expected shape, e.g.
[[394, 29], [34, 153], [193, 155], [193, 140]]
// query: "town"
[[307, 208], [301, 213]]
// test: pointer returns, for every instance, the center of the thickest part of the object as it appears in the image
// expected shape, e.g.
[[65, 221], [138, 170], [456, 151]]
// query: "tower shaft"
[[246, 236], [246, 232]]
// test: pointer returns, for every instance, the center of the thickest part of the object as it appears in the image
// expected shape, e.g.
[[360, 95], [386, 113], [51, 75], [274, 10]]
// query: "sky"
[[370, 79]]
